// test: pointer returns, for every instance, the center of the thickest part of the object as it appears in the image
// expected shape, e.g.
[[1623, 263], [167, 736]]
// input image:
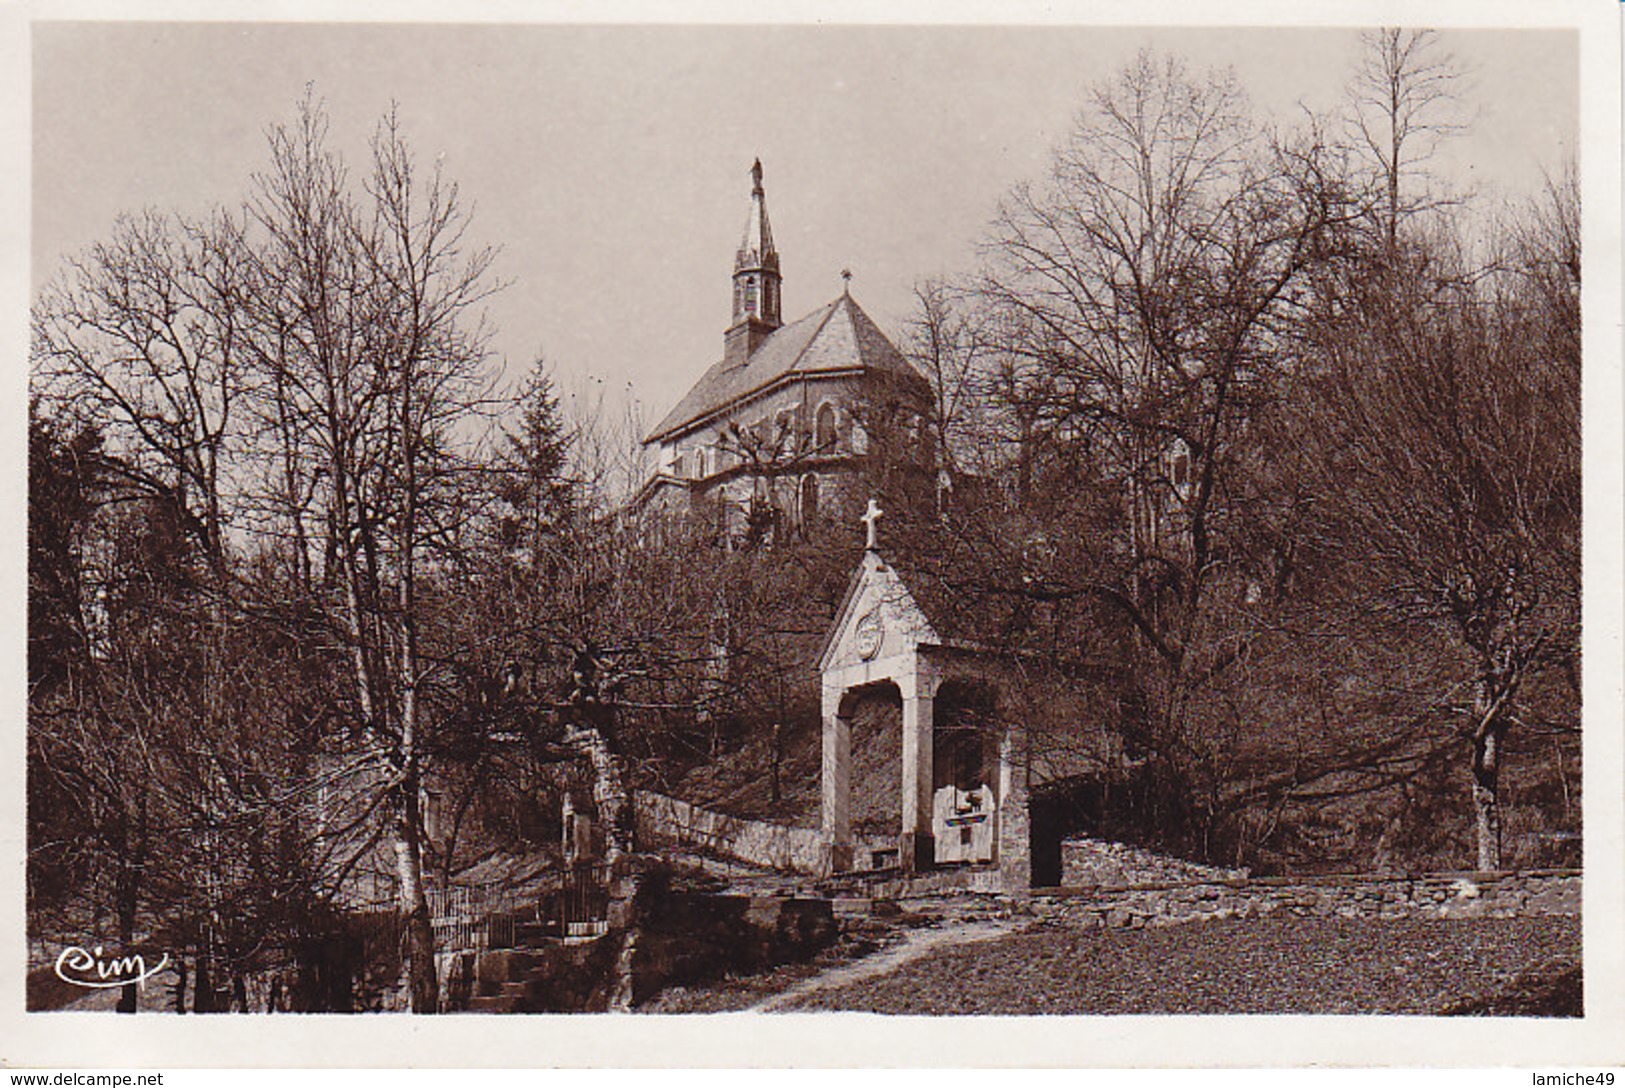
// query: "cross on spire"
[[871, 519]]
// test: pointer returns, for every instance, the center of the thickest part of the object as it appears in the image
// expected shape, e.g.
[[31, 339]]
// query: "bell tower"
[[757, 281]]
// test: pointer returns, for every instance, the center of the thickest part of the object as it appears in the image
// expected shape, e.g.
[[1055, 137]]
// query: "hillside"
[[739, 780]]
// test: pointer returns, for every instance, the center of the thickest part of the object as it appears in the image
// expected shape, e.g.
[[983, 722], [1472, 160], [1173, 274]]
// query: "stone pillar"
[[837, 784], [916, 847], [1014, 848]]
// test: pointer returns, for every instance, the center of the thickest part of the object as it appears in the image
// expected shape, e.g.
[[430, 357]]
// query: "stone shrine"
[[963, 787]]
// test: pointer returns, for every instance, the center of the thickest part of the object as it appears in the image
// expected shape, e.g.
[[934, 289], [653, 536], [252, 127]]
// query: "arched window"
[[824, 434], [809, 502]]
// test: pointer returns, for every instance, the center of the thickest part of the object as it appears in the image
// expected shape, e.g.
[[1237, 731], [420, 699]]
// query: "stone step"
[[530, 934], [856, 883], [499, 1003], [506, 965]]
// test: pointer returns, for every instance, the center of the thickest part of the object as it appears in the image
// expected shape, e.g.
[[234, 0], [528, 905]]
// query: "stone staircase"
[[856, 883], [507, 981], [548, 974], [676, 938]]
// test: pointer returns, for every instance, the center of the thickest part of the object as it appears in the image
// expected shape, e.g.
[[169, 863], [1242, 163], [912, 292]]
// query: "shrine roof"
[[955, 626]]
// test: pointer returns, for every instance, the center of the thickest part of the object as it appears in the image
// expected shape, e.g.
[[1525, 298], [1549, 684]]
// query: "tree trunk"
[[203, 984], [129, 896], [127, 891], [179, 990], [778, 759], [409, 844], [414, 904], [1487, 742], [608, 792], [621, 873], [1486, 803]]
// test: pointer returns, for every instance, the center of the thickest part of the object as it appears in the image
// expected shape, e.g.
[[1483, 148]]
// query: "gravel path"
[[915, 945], [1272, 964]]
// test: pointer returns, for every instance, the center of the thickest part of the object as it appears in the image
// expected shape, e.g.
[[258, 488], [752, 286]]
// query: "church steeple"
[[757, 281]]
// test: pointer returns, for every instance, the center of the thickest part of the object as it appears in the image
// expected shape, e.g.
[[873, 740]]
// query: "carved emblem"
[[868, 635]]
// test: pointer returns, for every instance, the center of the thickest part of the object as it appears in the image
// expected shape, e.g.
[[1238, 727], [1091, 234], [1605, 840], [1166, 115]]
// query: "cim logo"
[[86, 967]]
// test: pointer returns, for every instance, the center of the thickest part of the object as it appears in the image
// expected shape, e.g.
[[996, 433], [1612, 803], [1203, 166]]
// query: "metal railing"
[[571, 902], [469, 919], [578, 906]]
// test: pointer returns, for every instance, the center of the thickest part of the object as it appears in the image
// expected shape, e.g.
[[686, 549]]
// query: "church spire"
[[756, 279]]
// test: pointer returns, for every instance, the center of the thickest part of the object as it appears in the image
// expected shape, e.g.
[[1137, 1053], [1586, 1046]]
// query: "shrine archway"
[[962, 796]]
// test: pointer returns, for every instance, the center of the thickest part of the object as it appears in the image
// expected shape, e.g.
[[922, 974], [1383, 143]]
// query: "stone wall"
[[1444, 895], [688, 938], [666, 820], [673, 938], [1087, 862]]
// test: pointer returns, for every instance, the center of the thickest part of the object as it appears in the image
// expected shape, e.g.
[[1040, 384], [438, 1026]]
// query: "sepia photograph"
[[920, 521]]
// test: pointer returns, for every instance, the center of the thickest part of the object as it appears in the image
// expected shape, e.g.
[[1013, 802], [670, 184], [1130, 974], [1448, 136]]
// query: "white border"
[[844, 1040]]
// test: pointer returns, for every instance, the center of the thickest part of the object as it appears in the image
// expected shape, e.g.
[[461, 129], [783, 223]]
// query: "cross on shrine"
[[871, 519]]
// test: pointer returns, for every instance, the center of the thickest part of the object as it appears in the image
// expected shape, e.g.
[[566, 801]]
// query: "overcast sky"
[[610, 164]]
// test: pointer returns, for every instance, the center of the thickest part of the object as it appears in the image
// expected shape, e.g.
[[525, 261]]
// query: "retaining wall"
[[665, 819], [675, 939], [1087, 862], [1444, 895]]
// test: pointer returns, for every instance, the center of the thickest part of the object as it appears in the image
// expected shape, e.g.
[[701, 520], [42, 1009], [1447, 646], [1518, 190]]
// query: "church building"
[[768, 436]]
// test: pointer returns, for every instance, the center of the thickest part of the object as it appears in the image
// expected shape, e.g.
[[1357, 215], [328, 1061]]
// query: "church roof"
[[839, 337]]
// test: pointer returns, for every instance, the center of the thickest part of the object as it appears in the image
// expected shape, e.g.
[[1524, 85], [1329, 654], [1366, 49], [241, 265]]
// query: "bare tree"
[[154, 744], [147, 333], [953, 343], [1446, 451], [1143, 295], [367, 351], [1403, 103]]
